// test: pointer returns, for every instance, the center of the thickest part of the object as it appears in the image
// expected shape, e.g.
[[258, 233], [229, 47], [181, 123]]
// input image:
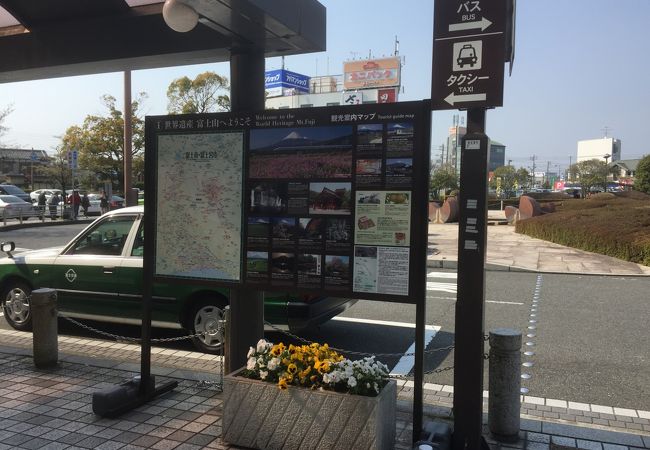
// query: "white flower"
[[261, 345], [263, 374], [273, 363], [260, 361], [250, 365], [352, 382], [251, 352]]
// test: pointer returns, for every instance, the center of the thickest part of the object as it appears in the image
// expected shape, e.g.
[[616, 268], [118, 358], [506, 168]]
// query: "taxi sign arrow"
[[453, 98], [482, 24]]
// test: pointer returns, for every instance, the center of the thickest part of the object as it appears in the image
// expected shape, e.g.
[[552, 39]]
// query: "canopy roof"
[[56, 38]]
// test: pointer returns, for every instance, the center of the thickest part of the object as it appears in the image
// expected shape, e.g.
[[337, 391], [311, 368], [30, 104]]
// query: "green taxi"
[[98, 276]]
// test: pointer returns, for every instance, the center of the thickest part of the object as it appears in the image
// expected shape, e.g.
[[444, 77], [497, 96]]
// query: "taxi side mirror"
[[8, 247]]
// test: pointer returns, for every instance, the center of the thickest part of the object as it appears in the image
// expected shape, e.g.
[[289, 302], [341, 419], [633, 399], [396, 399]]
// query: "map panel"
[[199, 207]]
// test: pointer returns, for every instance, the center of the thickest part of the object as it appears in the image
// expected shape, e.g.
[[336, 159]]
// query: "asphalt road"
[[590, 343]]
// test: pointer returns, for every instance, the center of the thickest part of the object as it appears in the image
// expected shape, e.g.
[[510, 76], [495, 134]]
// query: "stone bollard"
[[226, 340], [45, 327], [504, 384]]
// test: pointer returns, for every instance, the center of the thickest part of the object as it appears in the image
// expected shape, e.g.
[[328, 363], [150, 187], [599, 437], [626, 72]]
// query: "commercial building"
[[19, 166], [605, 149], [362, 81], [452, 155]]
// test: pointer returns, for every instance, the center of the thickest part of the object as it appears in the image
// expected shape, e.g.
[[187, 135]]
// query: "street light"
[[606, 156], [179, 16]]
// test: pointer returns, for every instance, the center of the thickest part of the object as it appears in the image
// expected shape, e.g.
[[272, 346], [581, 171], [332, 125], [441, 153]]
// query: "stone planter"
[[258, 415]]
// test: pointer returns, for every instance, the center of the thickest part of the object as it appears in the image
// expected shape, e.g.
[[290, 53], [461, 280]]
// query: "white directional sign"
[[468, 53]]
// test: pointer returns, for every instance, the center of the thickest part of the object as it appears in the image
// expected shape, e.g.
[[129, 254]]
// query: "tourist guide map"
[[325, 201], [199, 205]]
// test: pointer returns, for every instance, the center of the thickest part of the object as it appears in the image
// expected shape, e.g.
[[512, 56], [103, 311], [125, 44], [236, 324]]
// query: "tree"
[[200, 95], [591, 173], [58, 172], [642, 176], [3, 116], [507, 180], [443, 179], [100, 142]]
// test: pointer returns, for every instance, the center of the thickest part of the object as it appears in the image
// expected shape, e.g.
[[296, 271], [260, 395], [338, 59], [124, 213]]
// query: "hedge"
[[617, 225]]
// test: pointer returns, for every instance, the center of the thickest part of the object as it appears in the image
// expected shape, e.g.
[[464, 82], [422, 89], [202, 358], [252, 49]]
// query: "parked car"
[[94, 209], [116, 202], [10, 189], [33, 196], [12, 207], [98, 276]]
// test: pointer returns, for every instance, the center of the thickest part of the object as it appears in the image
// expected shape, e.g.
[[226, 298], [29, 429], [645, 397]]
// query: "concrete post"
[[45, 326], [504, 384], [226, 342]]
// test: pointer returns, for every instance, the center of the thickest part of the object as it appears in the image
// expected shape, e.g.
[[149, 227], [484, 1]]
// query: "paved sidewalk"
[[507, 250], [51, 409]]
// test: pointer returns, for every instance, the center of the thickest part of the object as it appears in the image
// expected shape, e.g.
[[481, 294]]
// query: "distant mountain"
[[294, 140]]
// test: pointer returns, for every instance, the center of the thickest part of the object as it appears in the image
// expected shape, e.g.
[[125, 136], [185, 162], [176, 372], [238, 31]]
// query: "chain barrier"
[[351, 352], [119, 338]]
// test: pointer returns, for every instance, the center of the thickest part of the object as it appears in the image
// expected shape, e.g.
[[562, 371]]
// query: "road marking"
[[442, 275], [451, 288], [406, 362], [384, 322], [503, 303]]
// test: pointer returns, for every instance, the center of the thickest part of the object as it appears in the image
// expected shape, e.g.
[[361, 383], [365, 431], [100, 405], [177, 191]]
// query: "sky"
[[581, 71]]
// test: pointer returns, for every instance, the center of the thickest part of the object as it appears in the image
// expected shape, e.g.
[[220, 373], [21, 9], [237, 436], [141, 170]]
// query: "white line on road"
[[406, 362], [503, 303], [442, 275], [442, 287], [384, 322]]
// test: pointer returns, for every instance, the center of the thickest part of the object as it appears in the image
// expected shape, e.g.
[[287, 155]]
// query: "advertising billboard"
[[284, 82], [371, 73], [330, 201]]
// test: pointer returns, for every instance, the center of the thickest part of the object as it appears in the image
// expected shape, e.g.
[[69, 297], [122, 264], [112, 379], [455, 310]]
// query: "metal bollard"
[[45, 328], [504, 384]]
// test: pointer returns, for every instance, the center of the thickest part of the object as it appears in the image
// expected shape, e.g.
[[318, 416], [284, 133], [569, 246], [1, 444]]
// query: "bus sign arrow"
[[482, 24], [453, 98]]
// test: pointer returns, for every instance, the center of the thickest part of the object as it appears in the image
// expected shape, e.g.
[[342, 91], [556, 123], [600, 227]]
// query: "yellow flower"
[[313, 378], [292, 369], [282, 384], [305, 372], [277, 349], [324, 367], [289, 377]]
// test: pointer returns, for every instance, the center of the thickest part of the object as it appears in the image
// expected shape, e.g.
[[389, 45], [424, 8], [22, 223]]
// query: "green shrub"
[[617, 226]]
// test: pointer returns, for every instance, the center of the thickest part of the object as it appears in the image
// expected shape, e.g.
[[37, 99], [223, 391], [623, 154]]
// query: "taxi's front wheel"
[[208, 319], [15, 305]]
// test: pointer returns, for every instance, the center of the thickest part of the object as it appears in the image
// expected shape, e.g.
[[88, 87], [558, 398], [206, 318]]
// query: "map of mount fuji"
[[199, 206]]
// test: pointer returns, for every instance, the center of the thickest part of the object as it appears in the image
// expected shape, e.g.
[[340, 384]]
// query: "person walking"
[[42, 201], [75, 201], [85, 204], [54, 204], [103, 203]]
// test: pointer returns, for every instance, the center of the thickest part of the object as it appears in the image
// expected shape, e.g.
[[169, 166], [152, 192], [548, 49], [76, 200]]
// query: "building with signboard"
[[606, 149], [364, 81]]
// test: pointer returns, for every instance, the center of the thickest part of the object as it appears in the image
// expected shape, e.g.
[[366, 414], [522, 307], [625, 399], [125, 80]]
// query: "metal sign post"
[[470, 305], [472, 40]]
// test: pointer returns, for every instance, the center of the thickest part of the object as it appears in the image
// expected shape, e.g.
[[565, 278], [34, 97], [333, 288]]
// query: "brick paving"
[[51, 409]]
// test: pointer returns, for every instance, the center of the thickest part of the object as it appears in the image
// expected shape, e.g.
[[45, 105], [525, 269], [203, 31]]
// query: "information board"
[[330, 200]]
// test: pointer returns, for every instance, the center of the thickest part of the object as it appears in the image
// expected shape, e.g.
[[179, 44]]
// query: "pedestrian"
[[103, 203], [54, 204], [85, 204], [75, 201], [42, 201]]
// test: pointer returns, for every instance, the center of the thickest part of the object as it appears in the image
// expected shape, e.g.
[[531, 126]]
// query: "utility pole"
[[533, 158], [548, 167], [568, 175]]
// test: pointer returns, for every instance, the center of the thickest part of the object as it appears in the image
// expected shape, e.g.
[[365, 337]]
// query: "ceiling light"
[[179, 16]]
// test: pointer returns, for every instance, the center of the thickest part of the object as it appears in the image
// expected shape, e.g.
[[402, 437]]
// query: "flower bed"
[[301, 397]]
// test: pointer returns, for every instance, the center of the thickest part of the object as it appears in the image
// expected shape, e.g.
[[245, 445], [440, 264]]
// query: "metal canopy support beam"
[[97, 37], [470, 306], [246, 304]]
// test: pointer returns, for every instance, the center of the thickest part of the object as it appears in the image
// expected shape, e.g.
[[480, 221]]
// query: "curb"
[[38, 224]]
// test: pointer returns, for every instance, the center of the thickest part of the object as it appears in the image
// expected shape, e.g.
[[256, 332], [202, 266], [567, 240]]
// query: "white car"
[[48, 193], [12, 207]]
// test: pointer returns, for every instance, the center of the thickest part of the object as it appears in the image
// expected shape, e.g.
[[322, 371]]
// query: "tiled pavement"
[[51, 409]]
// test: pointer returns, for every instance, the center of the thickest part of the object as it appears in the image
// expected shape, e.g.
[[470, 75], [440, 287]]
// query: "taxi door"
[[86, 274]]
